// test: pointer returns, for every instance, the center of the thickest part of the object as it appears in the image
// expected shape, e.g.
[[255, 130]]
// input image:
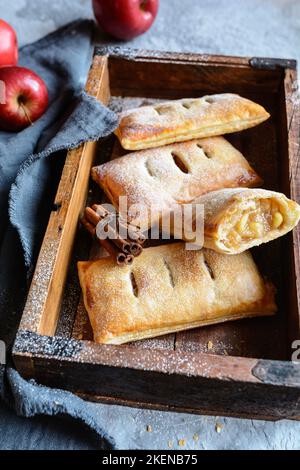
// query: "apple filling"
[[255, 221]]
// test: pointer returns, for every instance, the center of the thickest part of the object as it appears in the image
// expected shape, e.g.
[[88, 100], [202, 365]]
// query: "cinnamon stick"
[[135, 234], [88, 226], [129, 259], [92, 216], [121, 258], [113, 236], [136, 249], [133, 231], [101, 211], [122, 250]]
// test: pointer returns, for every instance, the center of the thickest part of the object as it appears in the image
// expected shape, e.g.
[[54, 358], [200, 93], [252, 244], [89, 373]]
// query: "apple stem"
[[143, 5], [26, 113]]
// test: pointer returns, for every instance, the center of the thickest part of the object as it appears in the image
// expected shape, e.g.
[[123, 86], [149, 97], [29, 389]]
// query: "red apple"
[[125, 19], [25, 98], [8, 45]]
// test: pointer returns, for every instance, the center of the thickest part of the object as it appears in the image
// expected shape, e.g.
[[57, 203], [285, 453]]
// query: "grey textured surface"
[[237, 27], [244, 27]]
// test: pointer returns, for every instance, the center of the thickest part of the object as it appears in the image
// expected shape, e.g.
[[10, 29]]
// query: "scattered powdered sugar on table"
[[39, 288]]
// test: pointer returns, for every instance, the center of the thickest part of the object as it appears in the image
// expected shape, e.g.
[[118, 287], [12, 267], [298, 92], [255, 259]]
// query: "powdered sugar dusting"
[[150, 179], [51, 346], [39, 289]]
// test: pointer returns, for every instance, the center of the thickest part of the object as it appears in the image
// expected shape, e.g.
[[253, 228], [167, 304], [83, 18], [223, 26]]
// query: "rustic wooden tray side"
[[54, 342]]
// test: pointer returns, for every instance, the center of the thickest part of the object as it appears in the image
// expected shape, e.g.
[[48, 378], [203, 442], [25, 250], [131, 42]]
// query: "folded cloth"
[[30, 167]]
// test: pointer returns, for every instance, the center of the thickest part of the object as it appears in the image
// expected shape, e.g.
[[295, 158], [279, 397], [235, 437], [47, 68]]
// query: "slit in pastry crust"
[[156, 182], [177, 290], [186, 119]]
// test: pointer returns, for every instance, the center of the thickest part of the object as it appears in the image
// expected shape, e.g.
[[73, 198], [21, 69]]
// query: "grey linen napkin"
[[30, 165]]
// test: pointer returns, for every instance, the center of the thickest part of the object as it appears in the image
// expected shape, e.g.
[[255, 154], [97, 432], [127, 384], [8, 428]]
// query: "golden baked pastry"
[[186, 119], [238, 219], [170, 289], [176, 174]]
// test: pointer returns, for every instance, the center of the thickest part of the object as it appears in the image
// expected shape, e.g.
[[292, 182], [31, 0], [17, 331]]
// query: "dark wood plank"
[[161, 77], [290, 107], [165, 378]]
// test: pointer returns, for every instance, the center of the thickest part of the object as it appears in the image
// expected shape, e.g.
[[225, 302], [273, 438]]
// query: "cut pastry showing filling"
[[169, 289], [238, 219], [158, 179], [186, 119]]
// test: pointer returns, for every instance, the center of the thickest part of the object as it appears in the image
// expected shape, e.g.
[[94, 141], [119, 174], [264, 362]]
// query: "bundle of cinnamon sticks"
[[98, 221]]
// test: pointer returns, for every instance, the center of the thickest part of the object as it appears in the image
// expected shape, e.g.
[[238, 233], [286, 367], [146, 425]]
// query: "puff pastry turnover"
[[186, 119], [169, 289], [238, 219], [176, 174]]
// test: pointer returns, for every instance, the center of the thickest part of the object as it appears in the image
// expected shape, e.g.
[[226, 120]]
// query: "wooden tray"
[[241, 368]]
